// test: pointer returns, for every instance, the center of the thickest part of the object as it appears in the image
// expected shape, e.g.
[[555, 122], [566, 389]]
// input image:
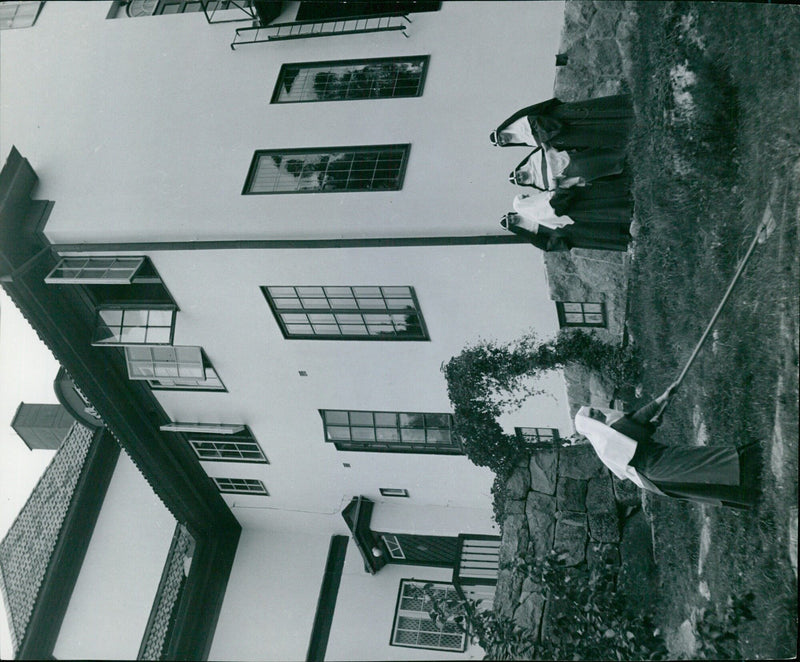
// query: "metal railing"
[[321, 28]]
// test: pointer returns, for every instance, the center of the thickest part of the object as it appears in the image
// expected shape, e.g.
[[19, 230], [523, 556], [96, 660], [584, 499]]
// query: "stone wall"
[[564, 499], [594, 39]]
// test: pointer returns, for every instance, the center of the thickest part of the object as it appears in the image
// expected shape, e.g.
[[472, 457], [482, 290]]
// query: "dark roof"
[[26, 550]]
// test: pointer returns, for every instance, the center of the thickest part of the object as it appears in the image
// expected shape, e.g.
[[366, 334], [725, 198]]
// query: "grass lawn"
[[717, 95]]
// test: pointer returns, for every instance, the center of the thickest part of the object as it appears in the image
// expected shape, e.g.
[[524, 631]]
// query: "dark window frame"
[[423, 60], [562, 314], [245, 438], [536, 437], [260, 490], [277, 313], [346, 149], [454, 447], [396, 618], [398, 492], [98, 342]]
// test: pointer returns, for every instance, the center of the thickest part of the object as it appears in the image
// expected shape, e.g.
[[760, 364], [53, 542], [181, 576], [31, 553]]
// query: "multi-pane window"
[[133, 325], [378, 78], [241, 486], [347, 313], [176, 368], [382, 431], [239, 447], [537, 435], [413, 626], [327, 169], [94, 271], [580, 313], [393, 546]]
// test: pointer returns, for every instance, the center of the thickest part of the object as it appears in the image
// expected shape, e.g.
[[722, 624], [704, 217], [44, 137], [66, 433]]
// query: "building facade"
[[253, 261]]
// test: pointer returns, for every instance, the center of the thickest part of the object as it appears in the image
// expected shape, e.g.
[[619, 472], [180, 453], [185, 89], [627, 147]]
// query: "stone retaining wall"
[[564, 499]]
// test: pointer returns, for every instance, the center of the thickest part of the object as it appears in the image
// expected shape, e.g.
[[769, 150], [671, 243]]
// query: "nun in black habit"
[[606, 237], [546, 168], [600, 122], [717, 475]]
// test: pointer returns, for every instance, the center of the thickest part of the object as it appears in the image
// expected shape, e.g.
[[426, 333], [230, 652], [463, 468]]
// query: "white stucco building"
[[253, 261]]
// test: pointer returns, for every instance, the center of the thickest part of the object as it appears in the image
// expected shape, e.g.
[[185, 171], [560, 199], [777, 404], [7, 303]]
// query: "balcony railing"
[[476, 567], [321, 28]]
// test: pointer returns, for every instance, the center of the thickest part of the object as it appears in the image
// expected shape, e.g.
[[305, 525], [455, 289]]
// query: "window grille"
[[241, 486], [327, 170], [391, 432], [581, 313], [175, 368], [240, 447], [94, 271], [342, 80], [117, 325], [347, 313], [537, 435], [413, 627]]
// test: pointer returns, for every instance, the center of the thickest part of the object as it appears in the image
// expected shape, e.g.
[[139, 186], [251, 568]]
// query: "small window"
[[174, 368], [241, 486], [390, 432], [327, 170], [581, 313], [393, 546], [343, 80], [94, 271], [347, 313], [393, 492], [239, 447], [413, 626], [134, 325], [537, 435]]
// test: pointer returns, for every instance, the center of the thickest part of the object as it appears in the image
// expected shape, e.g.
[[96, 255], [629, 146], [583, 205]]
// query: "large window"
[[134, 325], [379, 78], [537, 435], [388, 432], [327, 169], [173, 368], [241, 486], [413, 627], [581, 313], [347, 313]]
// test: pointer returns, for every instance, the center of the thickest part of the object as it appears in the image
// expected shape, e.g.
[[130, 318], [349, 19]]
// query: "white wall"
[[145, 128], [111, 603]]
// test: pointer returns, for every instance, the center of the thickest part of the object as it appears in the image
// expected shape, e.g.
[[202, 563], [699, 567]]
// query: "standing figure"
[[600, 122], [547, 168], [717, 475], [608, 236]]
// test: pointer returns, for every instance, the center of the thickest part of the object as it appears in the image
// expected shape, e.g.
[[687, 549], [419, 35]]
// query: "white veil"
[[614, 449]]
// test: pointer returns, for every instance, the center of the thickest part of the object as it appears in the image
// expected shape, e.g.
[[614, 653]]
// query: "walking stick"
[[766, 227]]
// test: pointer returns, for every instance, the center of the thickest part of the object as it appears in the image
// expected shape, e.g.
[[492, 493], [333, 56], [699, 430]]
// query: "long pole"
[[761, 229]]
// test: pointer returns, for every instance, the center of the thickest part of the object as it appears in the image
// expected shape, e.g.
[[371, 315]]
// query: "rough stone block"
[[571, 494], [515, 538], [543, 470], [600, 495], [626, 493], [514, 507], [604, 526], [518, 483], [507, 591], [570, 538], [540, 511], [580, 462], [637, 577], [602, 554], [529, 613]]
